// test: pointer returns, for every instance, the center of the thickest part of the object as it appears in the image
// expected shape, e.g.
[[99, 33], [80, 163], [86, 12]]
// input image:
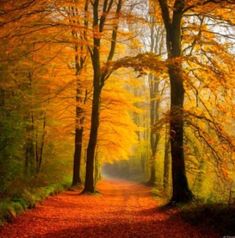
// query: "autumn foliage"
[[145, 88]]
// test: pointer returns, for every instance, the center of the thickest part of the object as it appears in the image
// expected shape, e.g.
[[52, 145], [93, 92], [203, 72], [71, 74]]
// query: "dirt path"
[[123, 210]]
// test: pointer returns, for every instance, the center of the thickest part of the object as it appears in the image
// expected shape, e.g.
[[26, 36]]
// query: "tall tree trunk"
[[80, 61], [98, 81], [181, 191], [78, 136], [156, 46], [77, 157], [199, 178], [166, 161], [154, 117], [89, 181], [42, 142], [30, 129], [39, 145], [154, 138], [29, 147], [97, 168], [152, 177]]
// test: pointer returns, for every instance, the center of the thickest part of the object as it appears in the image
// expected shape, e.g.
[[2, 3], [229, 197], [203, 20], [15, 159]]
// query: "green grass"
[[26, 199]]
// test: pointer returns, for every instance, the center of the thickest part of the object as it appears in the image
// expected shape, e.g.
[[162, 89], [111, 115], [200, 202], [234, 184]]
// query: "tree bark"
[[78, 134], [154, 117], [152, 178], [77, 157], [29, 149], [80, 61], [156, 40], [181, 191], [39, 145], [166, 161], [89, 181]]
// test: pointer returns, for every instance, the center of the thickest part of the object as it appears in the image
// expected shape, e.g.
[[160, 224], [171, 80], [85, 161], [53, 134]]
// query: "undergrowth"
[[27, 198], [218, 217]]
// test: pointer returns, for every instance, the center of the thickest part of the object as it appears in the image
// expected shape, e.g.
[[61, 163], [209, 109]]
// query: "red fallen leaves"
[[122, 210]]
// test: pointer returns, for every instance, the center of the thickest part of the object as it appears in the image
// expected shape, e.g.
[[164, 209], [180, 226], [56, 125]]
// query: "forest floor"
[[121, 210]]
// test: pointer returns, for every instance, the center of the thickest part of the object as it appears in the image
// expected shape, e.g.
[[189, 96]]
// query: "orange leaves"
[[142, 62], [123, 209]]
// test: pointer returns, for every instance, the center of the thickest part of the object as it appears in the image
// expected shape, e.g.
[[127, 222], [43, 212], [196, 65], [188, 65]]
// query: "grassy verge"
[[28, 198]]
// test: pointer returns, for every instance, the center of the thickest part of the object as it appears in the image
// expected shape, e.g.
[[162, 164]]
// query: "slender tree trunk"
[[155, 47], [166, 161], [42, 143], [39, 145], [198, 181], [89, 181], [154, 117], [80, 60], [29, 143], [78, 137], [29, 148], [29, 156], [97, 168], [153, 143], [152, 178], [77, 157]]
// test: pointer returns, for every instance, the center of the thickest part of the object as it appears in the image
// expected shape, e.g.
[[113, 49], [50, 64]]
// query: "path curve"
[[122, 210]]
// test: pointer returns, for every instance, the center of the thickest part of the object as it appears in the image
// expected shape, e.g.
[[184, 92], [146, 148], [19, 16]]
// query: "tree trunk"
[[154, 103], [39, 145], [29, 147], [29, 155], [80, 60], [152, 178], [154, 117], [181, 191], [42, 142], [77, 157], [166, 161], [78, 138], [97, 169], [89, 181], [198, 181]]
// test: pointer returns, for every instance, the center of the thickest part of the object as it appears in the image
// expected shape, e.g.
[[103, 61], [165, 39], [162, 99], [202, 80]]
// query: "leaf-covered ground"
[[122, 210]]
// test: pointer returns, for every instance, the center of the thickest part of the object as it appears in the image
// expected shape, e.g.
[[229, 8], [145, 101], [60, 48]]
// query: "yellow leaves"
[[117, 131], [136, 44]]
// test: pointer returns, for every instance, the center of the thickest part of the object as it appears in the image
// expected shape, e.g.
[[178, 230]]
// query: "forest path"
[[122, 210]]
